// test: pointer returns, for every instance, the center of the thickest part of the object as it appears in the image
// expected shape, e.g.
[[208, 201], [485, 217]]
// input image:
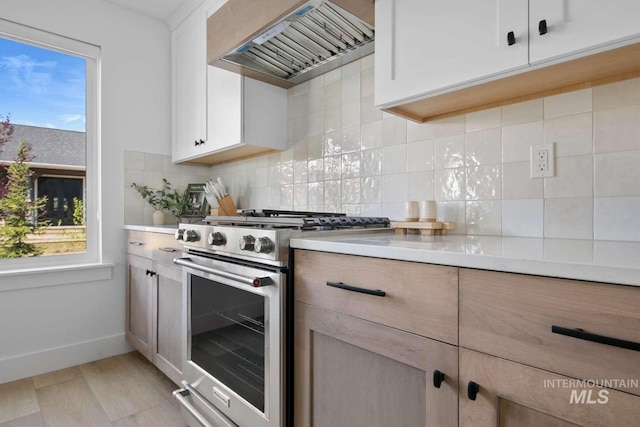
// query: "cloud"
[[27, 73], [69, 118]]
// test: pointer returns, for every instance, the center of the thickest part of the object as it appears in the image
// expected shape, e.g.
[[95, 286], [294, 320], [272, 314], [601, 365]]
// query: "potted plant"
[[161, 200]]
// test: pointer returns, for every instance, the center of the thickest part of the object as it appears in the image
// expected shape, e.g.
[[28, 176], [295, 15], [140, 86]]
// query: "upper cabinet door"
[[427, 46], [573, 26], [224, 115], [189, 80]]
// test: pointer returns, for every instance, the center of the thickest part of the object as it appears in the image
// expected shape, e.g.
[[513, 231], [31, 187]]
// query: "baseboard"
[[30, 364]]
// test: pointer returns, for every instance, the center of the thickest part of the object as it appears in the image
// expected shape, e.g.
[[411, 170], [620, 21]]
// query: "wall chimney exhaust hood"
[[316, 37]]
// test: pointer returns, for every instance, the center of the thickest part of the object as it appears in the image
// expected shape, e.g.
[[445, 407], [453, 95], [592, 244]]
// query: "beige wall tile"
[[568, 218], [517, 182], [450, 151], [450, 184], [619, 94], [483, 147], [617, 129], [485, 119], [450, 126], [420, 155], [394, 159], [617, 218], [574, 178], [579, 101], [523, 218], [617, 174], [484, 182], [523, 112], [573, 135], [419, 131], [484, 217], [517, 139]]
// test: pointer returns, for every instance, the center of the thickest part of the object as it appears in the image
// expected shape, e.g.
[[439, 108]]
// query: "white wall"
[[345, 155], [52, 327]]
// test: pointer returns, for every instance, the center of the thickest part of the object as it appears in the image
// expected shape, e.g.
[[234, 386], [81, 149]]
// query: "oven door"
[[234, 351]]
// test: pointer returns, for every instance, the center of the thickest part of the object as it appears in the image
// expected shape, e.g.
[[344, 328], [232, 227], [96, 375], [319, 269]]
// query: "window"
[[49, 87]]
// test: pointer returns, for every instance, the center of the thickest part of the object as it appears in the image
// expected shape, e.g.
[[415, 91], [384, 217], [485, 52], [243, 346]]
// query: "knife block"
[[227, 207]]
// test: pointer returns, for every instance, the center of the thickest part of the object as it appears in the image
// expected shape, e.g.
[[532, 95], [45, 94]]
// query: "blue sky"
[[41, 87]]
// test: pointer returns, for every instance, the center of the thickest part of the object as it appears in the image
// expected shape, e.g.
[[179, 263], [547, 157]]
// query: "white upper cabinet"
[[189, 80], [575, 25], [244, 114], [438, 58], [219, 115], [424, 46]]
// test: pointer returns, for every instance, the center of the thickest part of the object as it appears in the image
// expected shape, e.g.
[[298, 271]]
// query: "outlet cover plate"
[[543, 160]]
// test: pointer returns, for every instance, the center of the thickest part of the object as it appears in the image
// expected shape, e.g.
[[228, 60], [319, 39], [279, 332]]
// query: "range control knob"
[[216, 239], [246, 243], [263, 245], [190, 236], [179, 233]]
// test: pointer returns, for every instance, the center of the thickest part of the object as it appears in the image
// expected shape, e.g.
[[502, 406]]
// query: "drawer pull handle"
[[340, 285], [472, 390], [438, 378], [584, 335], [136, 243], [511, 38], [542, 27]]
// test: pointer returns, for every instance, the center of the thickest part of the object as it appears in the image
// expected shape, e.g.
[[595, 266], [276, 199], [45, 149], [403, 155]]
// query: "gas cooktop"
[[263, 235], [300, 220]]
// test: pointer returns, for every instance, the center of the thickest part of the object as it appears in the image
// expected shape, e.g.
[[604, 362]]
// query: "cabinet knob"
[[542, 27], [196, 143], [472, 390], [511, 38], [438, 378]]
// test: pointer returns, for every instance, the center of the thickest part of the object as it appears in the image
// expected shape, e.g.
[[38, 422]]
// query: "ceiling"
[[161, 10]]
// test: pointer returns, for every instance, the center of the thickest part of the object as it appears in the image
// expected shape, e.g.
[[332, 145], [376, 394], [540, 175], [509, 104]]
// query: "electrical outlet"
[[543, 160]]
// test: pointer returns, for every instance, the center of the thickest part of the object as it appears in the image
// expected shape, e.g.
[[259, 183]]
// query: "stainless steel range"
[[237, 367]]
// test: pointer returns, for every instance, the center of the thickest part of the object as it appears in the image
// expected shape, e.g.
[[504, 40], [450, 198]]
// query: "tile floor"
[[120, 391]]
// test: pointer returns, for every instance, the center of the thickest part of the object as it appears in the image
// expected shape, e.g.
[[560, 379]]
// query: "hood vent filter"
[[307, 39]]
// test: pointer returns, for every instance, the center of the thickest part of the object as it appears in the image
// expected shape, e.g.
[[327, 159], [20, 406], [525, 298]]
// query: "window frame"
[[93, 170]]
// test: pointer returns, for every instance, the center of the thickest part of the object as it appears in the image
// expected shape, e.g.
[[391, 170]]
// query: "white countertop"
[[166, 229], [600, 261]]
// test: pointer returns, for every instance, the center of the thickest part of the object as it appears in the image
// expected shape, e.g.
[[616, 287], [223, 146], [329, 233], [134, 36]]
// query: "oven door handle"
[[251, 281], [220, 419], [179, 395]]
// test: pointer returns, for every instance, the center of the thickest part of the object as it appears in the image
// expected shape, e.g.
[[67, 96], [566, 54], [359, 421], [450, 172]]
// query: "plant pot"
[[158, 218]]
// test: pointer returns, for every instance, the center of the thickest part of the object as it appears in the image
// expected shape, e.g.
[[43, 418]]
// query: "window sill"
[[27, 278]]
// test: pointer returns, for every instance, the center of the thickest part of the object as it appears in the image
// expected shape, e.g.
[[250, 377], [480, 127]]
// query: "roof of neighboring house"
[[48, 146]]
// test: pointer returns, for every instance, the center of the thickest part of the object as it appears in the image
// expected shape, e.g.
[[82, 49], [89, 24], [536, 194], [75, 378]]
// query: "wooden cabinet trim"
[[585, 72]]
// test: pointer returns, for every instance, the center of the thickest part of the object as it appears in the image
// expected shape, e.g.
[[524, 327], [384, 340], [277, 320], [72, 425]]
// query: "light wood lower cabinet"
[[498, 392], [365, 353], [374, 342], [154, 322], [167, 315], [139, 304], [353, 372]]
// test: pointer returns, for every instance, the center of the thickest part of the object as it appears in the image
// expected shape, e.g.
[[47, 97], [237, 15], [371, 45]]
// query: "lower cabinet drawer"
[[418, 298], [145, 244], [574, 328]]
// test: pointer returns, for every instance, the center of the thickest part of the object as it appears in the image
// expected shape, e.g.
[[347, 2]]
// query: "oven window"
[[228, 337]]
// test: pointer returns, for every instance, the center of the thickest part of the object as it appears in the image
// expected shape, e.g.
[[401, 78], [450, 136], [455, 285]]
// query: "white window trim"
[[93, 257]]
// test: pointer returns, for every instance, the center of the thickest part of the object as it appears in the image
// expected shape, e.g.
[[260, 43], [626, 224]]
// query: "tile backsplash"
[[345, 155], [149, 169]]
